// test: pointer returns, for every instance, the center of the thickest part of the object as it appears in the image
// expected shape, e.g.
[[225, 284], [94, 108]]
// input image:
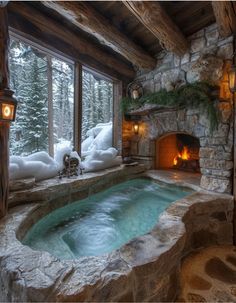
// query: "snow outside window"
[[34, 76], [97, 101], [63, 103]]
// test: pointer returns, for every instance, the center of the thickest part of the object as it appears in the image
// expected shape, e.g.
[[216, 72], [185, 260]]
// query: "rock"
[[206, 68], [21, 184], [185, 58], [212, 37], [216, 184], [225, 51], [197, 44], [225, 111], [172, 78]]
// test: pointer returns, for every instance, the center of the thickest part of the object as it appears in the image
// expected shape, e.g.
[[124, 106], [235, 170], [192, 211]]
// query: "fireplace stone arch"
[[215, 151]]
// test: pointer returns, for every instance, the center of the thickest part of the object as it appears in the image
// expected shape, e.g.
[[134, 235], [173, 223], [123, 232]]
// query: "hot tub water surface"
[[105, 221]]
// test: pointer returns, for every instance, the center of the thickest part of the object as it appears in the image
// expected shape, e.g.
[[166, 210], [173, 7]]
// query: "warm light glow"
[[7, 111], [136, 128], [184, 155], [232, 79], [135, 94]]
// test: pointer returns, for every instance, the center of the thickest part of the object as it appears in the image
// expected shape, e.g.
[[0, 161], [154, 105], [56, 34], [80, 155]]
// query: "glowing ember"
[[184, 155]]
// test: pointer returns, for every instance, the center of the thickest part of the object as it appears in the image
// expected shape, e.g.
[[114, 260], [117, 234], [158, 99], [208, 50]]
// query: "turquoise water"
[[105, 221]]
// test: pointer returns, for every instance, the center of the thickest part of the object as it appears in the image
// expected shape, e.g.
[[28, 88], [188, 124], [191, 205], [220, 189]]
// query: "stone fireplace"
[[156, 144], [179, 151]]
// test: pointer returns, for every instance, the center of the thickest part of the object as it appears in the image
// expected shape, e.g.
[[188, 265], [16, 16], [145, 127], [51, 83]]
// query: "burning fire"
[[184, 155]]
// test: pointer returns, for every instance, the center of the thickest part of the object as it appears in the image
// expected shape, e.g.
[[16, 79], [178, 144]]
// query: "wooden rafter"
[[36, 26], [157, 21], [88, 19], [225, 14]]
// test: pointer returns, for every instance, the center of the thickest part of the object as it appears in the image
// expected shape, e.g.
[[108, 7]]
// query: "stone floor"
[[209, 275]]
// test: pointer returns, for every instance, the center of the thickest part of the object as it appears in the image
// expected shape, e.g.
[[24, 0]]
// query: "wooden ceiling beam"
[[52, 34], [157, 21], [89, 20], [225, 14]]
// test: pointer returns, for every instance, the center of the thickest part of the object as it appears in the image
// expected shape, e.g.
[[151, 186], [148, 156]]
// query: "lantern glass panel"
[[136, 128], [8, 111], [232, 80]]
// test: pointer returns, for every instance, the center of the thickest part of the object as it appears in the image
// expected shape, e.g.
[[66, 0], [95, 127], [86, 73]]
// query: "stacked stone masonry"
[[207, 60]]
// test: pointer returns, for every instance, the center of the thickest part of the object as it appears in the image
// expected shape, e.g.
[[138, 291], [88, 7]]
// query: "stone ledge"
[[50, 189], [145, 269]]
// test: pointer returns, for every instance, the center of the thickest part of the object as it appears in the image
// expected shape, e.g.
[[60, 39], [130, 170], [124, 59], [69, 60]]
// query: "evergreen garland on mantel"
[[198, 95]]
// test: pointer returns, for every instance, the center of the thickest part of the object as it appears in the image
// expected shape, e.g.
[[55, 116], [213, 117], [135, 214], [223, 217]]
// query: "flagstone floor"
[[209, 275]]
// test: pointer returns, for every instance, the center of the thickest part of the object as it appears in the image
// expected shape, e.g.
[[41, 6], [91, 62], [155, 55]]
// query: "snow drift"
[[97, 151], [38, 165]]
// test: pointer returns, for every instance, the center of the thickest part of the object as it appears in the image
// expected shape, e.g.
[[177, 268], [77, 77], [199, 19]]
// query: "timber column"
[[4, 126]]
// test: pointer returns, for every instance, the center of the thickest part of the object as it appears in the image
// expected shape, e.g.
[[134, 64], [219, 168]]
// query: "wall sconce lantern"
[[135, 90], [8, 105], [232, 79], [136, 128]]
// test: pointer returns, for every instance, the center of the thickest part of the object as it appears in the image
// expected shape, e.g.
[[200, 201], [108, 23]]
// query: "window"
[[44, 86], [97, 107], [63, 103]]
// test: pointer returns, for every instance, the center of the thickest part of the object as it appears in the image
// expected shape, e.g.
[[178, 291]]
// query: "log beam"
[[225, 14], [88, 19], [39, 28], [157, 21], [4, 126]]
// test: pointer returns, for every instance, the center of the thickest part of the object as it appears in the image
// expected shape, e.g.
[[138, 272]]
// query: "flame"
[[184, 155]]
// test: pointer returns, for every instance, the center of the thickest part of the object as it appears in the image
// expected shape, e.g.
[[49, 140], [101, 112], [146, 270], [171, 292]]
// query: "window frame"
[[117, 115], [77, 114], [49, 55]]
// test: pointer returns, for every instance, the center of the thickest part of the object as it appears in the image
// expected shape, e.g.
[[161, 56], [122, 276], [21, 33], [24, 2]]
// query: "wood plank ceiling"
[[134, 32]]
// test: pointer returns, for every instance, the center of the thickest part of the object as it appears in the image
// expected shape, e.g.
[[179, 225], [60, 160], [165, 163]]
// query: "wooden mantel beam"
[[88, 19], [225, 14], [36, 26], [4, 126], [157, 21]]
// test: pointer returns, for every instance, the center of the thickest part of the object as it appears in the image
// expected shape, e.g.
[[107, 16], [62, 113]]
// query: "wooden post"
[[234, 147], [4, 126], [78, 107], [50, 107]]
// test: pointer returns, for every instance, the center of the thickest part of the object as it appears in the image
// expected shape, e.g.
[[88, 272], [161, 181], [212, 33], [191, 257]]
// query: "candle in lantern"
[[135, 94]]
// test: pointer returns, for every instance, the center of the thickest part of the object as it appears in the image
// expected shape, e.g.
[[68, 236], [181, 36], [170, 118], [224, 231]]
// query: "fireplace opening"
[[178, 151]]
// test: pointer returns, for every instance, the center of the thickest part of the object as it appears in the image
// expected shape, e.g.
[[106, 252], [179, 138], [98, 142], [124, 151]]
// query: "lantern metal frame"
[[134, 86], [6, 98]]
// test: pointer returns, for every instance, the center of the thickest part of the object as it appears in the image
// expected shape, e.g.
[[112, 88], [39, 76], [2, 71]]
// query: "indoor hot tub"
[[105, 221], [117, 242]]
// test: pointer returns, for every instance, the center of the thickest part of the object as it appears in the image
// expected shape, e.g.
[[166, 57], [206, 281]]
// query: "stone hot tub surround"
[[145, 269]]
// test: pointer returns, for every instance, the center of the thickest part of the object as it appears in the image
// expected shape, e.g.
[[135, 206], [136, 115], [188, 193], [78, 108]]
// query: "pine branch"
[[192, 95]]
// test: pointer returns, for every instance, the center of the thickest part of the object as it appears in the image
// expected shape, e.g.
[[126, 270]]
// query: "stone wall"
[[206, 60]]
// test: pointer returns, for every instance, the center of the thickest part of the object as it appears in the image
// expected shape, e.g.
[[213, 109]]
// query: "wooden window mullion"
[[50, 107]]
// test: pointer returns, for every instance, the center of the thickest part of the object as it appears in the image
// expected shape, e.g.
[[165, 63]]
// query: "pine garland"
[[192, 95]]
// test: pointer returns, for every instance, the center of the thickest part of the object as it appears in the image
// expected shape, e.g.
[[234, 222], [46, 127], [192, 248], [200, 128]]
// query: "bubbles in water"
[[103, 222]]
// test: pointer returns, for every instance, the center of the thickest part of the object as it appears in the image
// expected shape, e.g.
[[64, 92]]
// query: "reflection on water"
[[105, 221]]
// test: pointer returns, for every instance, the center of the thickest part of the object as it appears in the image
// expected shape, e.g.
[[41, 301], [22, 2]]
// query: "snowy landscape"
[[31, 133]]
